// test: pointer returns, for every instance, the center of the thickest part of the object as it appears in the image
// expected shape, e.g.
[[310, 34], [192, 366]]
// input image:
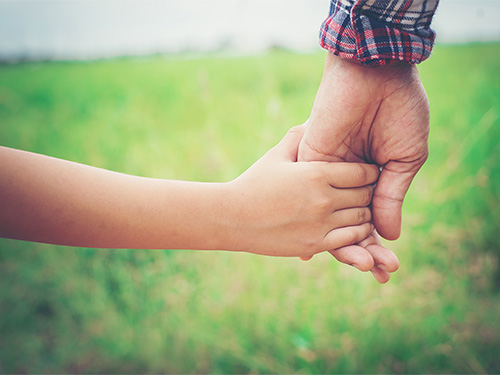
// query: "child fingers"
[[346, 175], [351, 216], [356, 197], [345, 236]]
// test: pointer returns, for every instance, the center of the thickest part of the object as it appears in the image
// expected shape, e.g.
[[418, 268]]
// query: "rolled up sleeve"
[[378, 32]]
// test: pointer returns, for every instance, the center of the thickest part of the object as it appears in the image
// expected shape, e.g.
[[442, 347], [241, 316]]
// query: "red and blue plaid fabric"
[[377, 32]]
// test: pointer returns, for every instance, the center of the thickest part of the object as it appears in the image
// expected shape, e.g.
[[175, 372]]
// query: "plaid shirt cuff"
[[377, 32]]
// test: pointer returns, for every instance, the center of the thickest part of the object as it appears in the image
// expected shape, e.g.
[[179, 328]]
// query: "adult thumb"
[[388, 197], [288, 147]]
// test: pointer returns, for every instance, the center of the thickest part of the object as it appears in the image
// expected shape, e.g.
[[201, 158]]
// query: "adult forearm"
[[50, 200]]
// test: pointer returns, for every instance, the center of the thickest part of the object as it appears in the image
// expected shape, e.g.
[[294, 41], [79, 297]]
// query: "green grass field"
[[69, 310]]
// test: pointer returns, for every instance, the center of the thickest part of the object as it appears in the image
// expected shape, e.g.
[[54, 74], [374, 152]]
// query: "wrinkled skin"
[[374, 115]]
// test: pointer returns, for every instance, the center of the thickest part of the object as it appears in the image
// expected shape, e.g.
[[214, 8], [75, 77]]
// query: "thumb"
[[388, 196], [288, 147]]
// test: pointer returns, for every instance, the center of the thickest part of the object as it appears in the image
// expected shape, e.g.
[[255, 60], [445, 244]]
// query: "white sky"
[[96, 28]]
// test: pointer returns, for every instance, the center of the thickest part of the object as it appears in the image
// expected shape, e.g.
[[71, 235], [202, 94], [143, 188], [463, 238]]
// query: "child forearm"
[[50, 200], [277, 207]]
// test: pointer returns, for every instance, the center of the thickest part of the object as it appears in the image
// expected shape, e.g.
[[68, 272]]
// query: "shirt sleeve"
[[377, 32]]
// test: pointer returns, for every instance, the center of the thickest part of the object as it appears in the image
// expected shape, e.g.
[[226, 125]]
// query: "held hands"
[[282, 207], [373, 115]]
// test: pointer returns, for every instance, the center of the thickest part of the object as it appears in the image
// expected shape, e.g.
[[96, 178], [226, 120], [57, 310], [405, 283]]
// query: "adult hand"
[[375, 115]]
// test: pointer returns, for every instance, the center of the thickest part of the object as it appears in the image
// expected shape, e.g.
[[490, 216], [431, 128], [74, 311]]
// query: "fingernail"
[[356, 266]]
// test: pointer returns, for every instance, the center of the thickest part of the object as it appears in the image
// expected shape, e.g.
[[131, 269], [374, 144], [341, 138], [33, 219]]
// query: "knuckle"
[[316, 174], [365, 231], [364, 215], [323, 204], [366, 196], [361, 215], [351, 237], [296, 129], [359, 234], [360, 173]]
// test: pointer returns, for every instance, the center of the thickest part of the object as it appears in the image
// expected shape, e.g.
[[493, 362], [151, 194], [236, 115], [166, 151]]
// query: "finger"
[[369, 255], [383, 258], [288, 147], [380, 275], [393, 183], [348, 175], [351, 216], [340, 237], [360, 258], [355, 197], [306, 258], [355, 256]]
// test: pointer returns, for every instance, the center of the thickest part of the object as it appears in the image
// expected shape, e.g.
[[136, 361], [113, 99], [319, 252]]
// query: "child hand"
[[282, 207]]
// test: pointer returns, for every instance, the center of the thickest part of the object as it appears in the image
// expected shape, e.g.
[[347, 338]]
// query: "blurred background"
[[83, 29], [199, 91]]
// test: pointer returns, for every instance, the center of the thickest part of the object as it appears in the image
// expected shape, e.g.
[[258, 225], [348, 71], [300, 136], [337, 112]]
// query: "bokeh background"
[[198, 91]]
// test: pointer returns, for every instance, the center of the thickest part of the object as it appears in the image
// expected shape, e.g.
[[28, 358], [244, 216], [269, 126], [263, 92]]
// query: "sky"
[[83, 29]]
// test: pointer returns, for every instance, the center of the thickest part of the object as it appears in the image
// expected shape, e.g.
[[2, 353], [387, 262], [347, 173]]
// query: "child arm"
[[278, 207], [50, 200]]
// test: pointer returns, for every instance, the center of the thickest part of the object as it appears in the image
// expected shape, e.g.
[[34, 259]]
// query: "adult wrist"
[[353, 71]]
